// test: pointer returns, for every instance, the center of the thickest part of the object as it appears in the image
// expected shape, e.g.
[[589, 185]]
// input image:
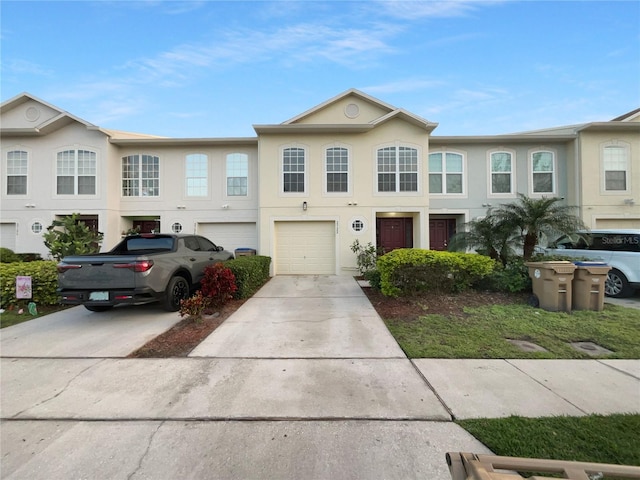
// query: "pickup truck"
[[140, 269]]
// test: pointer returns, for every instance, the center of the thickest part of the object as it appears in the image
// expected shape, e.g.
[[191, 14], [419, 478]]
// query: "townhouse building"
[[302, 191]]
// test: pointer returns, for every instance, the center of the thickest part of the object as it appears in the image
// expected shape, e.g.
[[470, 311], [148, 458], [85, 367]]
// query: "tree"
[[486, 235], [535, 218], [70, 236]]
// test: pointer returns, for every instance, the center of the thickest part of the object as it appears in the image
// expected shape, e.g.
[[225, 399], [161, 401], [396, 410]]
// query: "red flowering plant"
[[218, 285], [194, 306]]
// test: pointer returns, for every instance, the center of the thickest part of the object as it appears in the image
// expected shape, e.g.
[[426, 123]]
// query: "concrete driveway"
[[77, 332]]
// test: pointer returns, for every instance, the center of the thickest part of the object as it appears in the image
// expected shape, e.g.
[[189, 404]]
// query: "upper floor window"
[[17, 169], [140, 176], [197, 174], [237, 174], [501, 164], [76, 172], [543, 172], [615, 160], [337, 170], [293, 170], [397, 169], [446, 173]]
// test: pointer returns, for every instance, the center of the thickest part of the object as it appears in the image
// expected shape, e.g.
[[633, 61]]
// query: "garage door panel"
[[8, 235], [305, 248], [230, 235]]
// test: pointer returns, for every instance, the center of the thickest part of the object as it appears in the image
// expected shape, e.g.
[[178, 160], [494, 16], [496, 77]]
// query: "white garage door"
[[8, 236], [230, 235], [617, 223], [305, 248]]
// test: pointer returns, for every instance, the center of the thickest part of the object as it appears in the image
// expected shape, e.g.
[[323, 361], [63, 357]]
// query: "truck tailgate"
[[99, 272]]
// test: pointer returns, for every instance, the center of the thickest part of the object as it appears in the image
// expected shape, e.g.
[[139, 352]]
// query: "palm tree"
[[487, 235], [535, 218]]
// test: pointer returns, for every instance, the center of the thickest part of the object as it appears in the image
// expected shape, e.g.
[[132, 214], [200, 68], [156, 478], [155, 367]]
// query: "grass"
[[483, 331], [12, 317], [611, 439]]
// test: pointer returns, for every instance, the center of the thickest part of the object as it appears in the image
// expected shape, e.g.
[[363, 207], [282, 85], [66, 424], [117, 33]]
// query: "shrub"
[[409, 271], [44, 281], [373, 277], [8, 256], [70, 236], [366, 256], [251, 273], [194, 305], [218, 285], [513, 278]]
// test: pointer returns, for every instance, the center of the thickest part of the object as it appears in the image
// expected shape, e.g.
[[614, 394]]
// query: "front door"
[[394, 233], [440, 231], [147, 226]]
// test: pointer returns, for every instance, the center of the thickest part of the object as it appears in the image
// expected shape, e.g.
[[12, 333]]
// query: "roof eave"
[[499, 139], [149, 142], [314, 128]]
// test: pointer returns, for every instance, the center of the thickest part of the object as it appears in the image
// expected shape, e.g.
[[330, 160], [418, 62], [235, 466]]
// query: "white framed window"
[[17, 171], [337, 170], [76, 172], [237, 174], [36, 227], [140, 176], [446, 173], [501, 173], [543, 172], [176, 227], [615, 165], [293, 170], [397, 169], [197, 175]]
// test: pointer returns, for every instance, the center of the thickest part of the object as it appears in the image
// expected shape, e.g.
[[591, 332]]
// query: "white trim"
[[397, 144], [512, 193], [306, 172], [627, 147], [75, 148], [554, 173], [5, 160], [186, 195], [465, 186], [348, 193]]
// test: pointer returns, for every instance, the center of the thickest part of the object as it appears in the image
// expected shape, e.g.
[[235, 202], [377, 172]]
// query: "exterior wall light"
[[304, 206]]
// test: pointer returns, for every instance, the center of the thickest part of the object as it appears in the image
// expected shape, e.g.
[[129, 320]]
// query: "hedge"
[[44, 282], [251, 273], [408, 271]]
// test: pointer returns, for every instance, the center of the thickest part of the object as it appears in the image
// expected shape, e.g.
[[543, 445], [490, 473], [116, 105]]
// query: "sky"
[[215, 68]]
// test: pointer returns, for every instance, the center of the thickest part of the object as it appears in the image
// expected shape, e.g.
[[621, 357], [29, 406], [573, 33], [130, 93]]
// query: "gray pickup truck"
[[140, 269]]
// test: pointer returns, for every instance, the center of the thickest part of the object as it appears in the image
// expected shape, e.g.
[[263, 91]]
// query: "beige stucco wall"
[[362, 202], [598, 204]]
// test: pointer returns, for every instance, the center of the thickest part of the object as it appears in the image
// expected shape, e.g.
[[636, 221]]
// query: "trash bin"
[[551, 282], [244, 252], [589, 280]]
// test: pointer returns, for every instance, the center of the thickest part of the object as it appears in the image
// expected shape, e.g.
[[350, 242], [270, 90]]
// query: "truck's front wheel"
[[178, 289]]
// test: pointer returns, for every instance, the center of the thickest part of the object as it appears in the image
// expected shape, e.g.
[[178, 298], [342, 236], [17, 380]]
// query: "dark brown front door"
[[440, 231], [394, 233], [147, 226]]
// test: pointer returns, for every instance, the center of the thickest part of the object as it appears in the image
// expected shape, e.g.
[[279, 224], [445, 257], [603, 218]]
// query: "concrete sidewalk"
[[303, 381]]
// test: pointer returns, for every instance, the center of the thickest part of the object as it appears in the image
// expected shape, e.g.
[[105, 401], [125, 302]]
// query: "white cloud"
[[417, 9], [408, 85]]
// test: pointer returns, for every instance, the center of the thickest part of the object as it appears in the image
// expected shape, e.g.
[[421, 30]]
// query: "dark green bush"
[[373, 277], [513, 277], [409, 270], [8, 256], [251, 273], [44, 281]]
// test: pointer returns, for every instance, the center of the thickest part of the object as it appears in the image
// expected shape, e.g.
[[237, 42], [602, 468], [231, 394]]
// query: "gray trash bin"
[[244, 252]]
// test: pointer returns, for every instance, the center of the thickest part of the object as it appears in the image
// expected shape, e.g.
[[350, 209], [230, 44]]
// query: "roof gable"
[[27, 115], [632, 116]]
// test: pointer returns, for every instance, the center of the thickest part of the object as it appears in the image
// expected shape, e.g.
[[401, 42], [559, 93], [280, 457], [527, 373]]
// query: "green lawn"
[[483, 332], [602, 439], [12, 317]]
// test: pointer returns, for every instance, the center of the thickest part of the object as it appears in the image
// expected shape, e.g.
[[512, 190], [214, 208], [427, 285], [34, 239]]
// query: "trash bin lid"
[[591, 264]]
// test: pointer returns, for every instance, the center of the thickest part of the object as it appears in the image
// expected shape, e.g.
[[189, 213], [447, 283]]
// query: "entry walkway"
[[303, 381]]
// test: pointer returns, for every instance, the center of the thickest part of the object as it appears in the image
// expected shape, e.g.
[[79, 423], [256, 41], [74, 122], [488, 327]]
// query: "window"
[[293, 170], [76, 172], [616, 164], [36, 227], [542, 172], [197, 173], [176, 227], [357, 225], [337, 170], [446, 173], [397, 169], [501, 166], [140, 176], [237, 174], [17, 164]]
